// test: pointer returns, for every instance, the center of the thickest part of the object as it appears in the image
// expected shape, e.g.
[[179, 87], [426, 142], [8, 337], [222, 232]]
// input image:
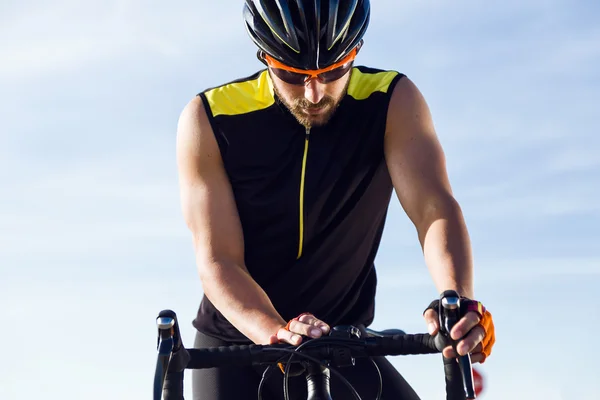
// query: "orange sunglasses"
[[295, 76]]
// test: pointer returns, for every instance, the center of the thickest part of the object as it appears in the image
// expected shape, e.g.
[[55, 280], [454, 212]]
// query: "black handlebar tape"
[[246, 355], [234, 356], [454, 382], [401, 345], [238, 356], [173, 387]]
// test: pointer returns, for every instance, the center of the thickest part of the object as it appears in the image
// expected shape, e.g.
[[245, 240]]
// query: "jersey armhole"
[[393, 84], [221, 140]]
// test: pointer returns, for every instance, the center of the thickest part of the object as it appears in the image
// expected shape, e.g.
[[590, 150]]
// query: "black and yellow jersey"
[[312, 203]]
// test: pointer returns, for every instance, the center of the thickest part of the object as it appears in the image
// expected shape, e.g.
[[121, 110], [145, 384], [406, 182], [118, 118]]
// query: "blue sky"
[[93, 244]]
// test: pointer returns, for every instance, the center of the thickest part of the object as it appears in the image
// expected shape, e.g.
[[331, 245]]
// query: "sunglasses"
[[295, 76]]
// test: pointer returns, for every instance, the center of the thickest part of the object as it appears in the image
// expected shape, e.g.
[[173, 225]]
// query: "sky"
[[93, 244]]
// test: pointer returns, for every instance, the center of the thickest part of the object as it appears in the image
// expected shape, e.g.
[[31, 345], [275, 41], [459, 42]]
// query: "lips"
[[314, 111]]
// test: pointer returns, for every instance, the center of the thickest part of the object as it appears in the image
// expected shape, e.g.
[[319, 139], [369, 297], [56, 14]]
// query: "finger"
[[474, 338], [477, 349], [431, 319], [314, 321], [477, 357], [286, 336], [466, 323], [449, 352], [305, 329], [273, 339]]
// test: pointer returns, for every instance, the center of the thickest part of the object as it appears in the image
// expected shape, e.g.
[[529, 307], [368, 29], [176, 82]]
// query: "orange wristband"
[[287, 326]]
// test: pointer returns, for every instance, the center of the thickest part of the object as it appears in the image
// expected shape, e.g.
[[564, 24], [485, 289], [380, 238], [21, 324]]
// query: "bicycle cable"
[[266, 374], [316, 361], [320, 342], [341, 342], [380, 390]]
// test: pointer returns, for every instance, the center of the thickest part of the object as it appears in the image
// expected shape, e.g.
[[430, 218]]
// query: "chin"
[[314, 120], [320, 120]]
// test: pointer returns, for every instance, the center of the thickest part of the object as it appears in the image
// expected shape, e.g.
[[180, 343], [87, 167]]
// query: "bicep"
[[207, 199], [414, 155]]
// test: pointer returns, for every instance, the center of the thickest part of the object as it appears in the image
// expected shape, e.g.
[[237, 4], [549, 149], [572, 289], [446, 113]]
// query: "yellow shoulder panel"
[[241, 97], [362, 85]]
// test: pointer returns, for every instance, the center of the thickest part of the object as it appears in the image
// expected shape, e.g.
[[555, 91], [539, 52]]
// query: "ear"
[[261, 56], [359, 46]]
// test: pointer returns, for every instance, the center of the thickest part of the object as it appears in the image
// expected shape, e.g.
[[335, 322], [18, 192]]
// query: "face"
[[312, 96], [314, 103]]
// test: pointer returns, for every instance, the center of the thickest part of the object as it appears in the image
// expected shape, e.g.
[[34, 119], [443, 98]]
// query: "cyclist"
[[286, 177]]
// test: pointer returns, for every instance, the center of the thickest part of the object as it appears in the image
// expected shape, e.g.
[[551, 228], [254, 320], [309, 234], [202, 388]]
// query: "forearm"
[[447, 249], [240, 299]]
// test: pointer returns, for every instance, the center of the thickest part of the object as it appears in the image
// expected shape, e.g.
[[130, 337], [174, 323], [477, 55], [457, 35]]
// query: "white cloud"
[[88, 206], [530, 198], [495, 272], [580, 157], [99, 336], [70, 35]]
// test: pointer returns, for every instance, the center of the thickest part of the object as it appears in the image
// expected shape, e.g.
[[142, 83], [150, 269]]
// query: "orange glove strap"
[[490, 335], [287, 328], [486, 323], [281, 367]]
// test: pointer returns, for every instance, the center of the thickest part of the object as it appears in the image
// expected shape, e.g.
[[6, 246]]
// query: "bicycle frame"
[[317, 382]]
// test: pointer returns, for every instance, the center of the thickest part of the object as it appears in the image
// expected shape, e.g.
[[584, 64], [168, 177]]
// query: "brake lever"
[[173, 357], [449, 314], [165, 346]]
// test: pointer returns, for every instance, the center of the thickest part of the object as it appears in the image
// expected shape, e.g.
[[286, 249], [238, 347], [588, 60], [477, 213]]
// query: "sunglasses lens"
[[292, 78], [335, 74]]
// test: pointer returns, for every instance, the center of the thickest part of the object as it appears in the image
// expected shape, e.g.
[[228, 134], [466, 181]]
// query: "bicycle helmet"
[[307, 34]]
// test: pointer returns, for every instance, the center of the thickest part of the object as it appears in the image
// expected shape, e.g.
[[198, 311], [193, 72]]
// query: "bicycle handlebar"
[[339, 349], [322, 348]]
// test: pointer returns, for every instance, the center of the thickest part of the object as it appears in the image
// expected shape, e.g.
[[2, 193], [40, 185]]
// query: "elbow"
[[215, 272], [211, 277], [444, 207], [208, 267]]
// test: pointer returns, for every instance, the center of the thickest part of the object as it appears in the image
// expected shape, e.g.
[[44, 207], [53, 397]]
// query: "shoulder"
[[406, 93], [407, 104], [240, 96], [409, 118], [193, 126], [366, 81]]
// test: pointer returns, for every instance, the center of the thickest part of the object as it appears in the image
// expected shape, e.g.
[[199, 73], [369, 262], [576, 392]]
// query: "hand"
[[306, 324], [478, 334]]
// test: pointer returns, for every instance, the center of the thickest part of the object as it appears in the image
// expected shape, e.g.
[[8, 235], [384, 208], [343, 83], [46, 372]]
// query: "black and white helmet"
[[307, 34]]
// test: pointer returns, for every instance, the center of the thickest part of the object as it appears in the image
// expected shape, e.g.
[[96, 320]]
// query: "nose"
[[314, 91]]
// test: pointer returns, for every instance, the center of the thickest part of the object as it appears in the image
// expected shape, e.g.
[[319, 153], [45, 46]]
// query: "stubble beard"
[[298, 107]]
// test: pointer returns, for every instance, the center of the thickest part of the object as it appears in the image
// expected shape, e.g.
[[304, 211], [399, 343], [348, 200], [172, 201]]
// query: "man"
[[285, 179]]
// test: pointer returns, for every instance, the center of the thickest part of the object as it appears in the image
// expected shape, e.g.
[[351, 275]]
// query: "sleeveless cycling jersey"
[[312, 203]]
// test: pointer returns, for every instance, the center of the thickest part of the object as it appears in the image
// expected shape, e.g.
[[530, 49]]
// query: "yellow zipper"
[[302, 178]]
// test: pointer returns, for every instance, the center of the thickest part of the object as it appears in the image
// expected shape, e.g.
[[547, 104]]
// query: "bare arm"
[[211, 215], [416, 163]]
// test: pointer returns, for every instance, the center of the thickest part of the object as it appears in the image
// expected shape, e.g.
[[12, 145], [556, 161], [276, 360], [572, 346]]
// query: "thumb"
[[273, 339], [431, 319]]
